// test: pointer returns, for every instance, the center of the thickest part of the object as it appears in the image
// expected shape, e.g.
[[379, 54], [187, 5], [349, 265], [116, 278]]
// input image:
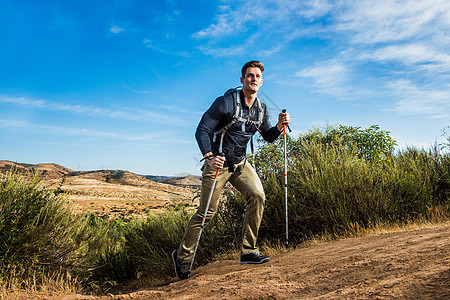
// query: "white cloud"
[[116, 29], [122, 114], [377, 21], [158, 48], [258, 23], [360, 22], [182, 110], [270, 51], [420, 100], [419, 56], [23, 101], [317, 8], [411, 32], [328, 77], [150, 44], [412, 54], [243, 15], [85, 132], [222, 52], [366, 44], [325, 72]]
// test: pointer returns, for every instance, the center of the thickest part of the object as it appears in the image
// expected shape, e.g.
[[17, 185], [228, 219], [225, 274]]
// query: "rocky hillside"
[[190, 180], [46, 170], [110, 193]]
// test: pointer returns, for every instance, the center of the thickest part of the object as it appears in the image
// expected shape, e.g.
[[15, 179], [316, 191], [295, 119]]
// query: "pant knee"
[[257, 197]]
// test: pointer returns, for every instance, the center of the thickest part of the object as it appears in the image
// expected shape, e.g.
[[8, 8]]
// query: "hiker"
[[222, 136]]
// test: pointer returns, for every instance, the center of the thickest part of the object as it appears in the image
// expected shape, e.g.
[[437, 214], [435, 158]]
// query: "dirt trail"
[[401, 265]]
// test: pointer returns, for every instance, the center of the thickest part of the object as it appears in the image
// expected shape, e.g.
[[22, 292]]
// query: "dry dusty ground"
[[400, 265]]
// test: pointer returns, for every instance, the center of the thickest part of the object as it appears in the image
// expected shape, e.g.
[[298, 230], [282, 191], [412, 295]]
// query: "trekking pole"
[[285, 180], [204, 216]]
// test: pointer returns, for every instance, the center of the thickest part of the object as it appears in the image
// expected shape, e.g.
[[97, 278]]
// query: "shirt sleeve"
[[268, 132], [209, 121]]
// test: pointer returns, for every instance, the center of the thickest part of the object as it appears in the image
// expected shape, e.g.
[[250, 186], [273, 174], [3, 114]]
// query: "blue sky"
[[122, 84]]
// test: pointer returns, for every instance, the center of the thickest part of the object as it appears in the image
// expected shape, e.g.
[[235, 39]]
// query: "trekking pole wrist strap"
[[207, 157]]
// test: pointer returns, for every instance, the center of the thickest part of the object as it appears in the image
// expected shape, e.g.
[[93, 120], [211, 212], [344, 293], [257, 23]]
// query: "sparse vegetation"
[[39, 234], [342, 180]]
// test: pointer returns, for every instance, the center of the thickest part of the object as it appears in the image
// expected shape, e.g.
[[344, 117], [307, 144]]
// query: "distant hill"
[[47, 170], [55, 171], [156, 177], [110, 193], [115, 176], [189, 180]]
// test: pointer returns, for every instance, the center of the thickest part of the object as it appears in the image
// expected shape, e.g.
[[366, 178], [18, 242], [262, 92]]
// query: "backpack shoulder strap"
[[232, 95]]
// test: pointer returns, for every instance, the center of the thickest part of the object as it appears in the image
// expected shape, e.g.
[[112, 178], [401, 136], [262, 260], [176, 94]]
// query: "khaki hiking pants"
[[246, 181]]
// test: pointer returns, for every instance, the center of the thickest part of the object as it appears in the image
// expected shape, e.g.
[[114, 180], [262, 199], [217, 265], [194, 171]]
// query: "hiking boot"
[[181, 269], [254, 258]]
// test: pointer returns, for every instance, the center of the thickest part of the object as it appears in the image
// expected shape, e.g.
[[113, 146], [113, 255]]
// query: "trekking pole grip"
[[284, 111]]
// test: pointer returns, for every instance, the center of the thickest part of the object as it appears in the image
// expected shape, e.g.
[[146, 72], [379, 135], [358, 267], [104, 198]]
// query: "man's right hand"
[[217, 162]]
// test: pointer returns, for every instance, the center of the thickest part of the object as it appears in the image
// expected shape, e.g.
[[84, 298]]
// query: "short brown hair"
[[252, 64]]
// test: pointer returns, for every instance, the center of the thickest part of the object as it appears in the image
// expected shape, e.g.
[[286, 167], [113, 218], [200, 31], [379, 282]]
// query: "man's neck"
[[249, 98]]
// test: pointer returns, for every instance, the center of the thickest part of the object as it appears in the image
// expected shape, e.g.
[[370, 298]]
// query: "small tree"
[[373, 144]]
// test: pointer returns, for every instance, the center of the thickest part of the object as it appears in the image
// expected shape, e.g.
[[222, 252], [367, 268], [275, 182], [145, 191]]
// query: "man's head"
[[252, 77], [252, 64]]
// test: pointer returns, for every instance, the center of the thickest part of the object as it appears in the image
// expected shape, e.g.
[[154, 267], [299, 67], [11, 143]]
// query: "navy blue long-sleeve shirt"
[[219, 115]]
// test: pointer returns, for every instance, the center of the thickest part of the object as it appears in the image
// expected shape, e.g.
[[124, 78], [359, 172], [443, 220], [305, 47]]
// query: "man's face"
[[252, 80]]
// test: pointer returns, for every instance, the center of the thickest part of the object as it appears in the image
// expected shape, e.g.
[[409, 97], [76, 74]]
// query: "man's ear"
[[242, 80]]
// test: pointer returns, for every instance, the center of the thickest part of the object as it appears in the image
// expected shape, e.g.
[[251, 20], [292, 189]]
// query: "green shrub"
[[372, 144], [37, 230], [333, 183], [145, 250]]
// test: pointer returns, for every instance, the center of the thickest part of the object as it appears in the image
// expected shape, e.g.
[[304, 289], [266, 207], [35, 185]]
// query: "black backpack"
[[234, 96]]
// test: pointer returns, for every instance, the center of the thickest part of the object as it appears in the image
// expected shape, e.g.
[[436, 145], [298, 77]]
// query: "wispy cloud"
[[222, 52], [116, 29], [241, 16], [159, 48], [421, 100], [329, 77], [409, 32], [85, 132], [404, 41], [182, 110], [384, 21], [123, 114], [326, 73], [276, 21], [419, 56]]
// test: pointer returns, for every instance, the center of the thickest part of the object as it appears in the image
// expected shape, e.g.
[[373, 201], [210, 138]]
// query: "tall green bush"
[[335, 181], [145, 250], [37, 230]]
